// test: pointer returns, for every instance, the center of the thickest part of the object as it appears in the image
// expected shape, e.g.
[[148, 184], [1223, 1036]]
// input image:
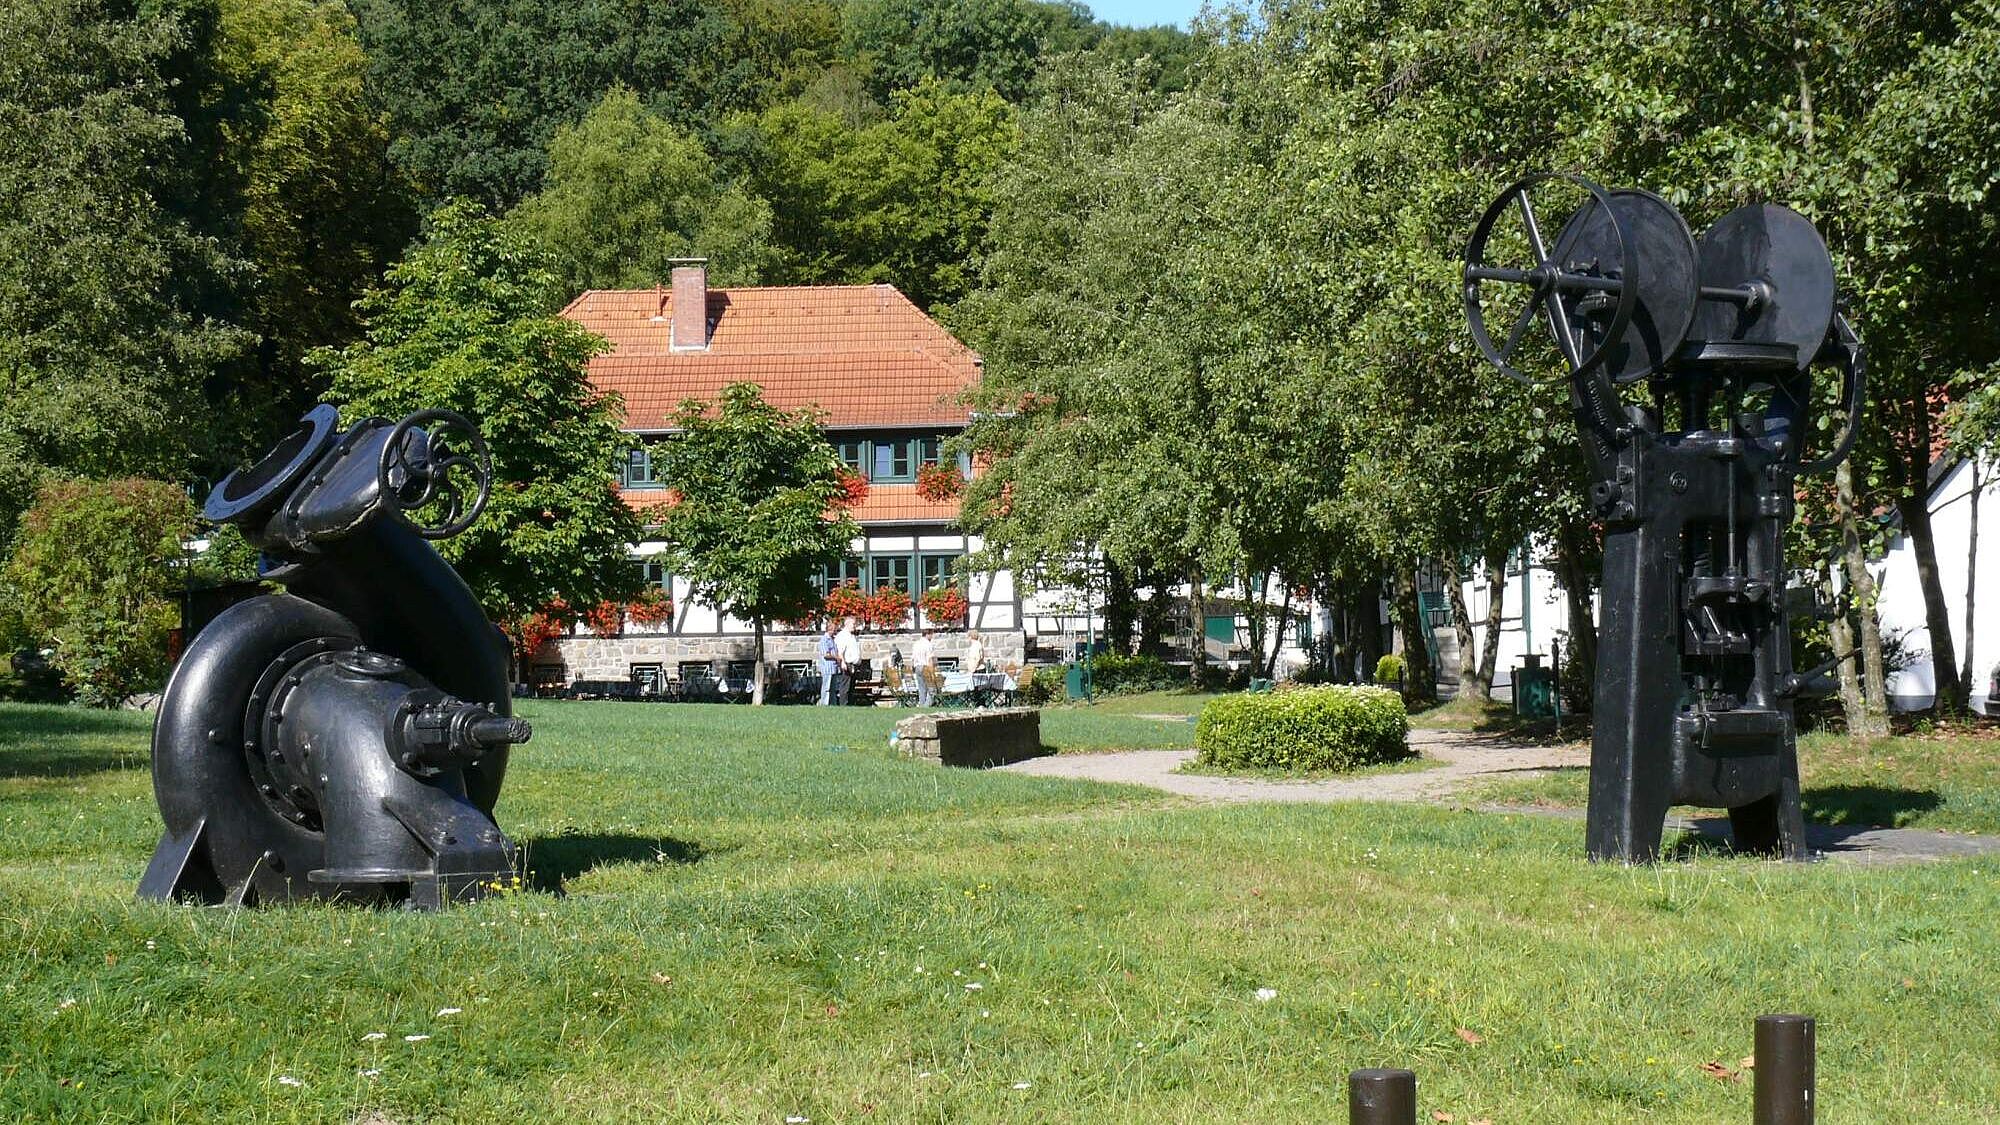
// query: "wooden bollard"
[[1784, 1070], [1382, 1097]]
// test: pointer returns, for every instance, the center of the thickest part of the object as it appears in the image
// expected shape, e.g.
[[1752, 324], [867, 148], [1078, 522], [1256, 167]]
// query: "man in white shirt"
[[975, 652], [847, 648], [924, 664]]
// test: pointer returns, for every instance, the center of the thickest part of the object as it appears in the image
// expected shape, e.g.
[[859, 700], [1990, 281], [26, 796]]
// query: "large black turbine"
[[346, 739]]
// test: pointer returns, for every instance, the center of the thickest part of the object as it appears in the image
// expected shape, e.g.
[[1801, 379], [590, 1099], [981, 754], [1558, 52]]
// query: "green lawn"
[[1943, 781], [755, 916]]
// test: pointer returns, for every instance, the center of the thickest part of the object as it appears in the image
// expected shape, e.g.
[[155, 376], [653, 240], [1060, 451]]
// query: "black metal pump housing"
[[1693, 482], [346, 739]]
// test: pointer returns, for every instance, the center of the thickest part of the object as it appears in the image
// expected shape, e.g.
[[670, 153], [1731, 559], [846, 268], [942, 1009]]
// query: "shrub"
[[1312, 728], [1389, 669], [96, 569], [1044, 686], [1113, 673]]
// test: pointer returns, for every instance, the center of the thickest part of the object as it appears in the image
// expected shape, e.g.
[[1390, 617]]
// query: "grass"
[[739, 922], [1185, 702], [1946, 781]]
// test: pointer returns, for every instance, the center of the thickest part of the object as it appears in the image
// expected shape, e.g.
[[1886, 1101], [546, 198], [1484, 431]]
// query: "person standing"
[[975, 652], [924, 661], [847, 651], [829, 665]]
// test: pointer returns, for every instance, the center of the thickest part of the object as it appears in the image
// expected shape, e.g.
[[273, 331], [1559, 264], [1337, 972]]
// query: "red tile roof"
[[885, 503], [862, 353]]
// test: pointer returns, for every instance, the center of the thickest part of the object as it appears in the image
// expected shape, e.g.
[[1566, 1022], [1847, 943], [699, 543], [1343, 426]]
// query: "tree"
[[972, 45], [474, 91], [110, 327], [627, 192], [904, 200], [321, 211], [758, 512], [94, 575], [466, 322]]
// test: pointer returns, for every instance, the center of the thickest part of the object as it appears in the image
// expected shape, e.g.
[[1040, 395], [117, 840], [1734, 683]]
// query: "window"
[[841, 573], [893, 460], [927, 451], [656, 574], [638, 469], [938, 570], [890, 570], [853, 454]]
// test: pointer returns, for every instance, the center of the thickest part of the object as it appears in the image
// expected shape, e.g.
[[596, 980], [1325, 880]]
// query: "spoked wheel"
[[437, 477], [1615, 287]]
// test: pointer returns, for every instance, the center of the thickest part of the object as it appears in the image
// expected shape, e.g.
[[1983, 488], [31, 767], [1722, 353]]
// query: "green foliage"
[[627, 191], [1389, 669], [903, 200], [475, 92], [970, 44], [321, 210], [757, 516], [1334, 727], [94, 574], [466, 322], [1114, 673], [111, 307]]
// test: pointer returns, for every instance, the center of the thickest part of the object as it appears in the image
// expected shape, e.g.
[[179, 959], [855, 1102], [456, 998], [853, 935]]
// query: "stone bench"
[[973, 739]]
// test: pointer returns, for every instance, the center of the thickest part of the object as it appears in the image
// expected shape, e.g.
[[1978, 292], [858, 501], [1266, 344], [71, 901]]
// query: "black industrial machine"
[[345, 739], [1693, 478]]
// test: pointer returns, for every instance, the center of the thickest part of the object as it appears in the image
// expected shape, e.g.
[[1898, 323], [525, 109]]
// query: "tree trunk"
[[757, 675], [1152, 612], [1119, 608], [1364, 625], [1840, 635], [1419, 677], [1496, 605], [1461, 624], [1966, 676], [1581, 654], [1270, 665], [1198, 609], [1258, 625], [1950, 691], [1861, 598]]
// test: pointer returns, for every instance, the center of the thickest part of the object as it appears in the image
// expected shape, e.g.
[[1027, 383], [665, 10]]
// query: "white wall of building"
[[1901, 604], [1534, 611]]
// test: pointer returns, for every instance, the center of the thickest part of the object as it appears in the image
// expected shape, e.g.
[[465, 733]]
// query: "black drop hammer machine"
[[345, 739], [1693, 478]]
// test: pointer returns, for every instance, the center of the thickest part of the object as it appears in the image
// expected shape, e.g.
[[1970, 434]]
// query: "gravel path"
[[1466, 758]]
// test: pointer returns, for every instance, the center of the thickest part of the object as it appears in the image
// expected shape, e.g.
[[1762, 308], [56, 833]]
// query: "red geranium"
[[846, 600], [946, 605], [653, 607], [606, 619], [530, 632], [853, 489], [887, 608], [938, 483]]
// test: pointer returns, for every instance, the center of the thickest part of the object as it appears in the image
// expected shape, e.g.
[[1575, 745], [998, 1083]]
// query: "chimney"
[[689, 332]]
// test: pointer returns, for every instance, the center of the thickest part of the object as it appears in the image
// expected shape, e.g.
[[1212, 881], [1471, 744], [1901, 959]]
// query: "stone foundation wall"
[[973, 739], [611, 658]]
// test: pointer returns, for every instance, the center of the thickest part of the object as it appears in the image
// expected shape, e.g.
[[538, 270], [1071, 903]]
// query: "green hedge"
[[1336, 727], [1114, 673], [1389, 669]]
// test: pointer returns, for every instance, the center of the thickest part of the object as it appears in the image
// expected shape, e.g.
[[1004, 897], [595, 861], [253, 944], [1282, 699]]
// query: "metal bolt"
[[1382, 1097]]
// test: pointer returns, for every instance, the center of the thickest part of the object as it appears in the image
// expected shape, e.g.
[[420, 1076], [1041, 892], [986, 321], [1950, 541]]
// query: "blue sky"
[[1144, 13]]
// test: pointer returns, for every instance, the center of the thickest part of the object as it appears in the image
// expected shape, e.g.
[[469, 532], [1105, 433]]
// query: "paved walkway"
[[1468, 758]]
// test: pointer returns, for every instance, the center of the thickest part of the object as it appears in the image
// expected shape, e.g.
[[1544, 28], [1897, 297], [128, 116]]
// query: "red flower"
[[938, 483], [946, 605], [653, 607], [853, 488], [606, 619]]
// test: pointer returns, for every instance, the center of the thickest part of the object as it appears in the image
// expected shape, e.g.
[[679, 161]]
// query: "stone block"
[[973, 739]]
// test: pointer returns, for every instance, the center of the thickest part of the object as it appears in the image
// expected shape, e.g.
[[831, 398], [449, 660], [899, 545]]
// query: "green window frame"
[[656, 574], [885, 571], [637, 471], [938, 569], [894, 461], [853, 454]]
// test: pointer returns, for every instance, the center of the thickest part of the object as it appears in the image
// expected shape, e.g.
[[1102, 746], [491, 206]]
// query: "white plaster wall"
[[1902, 601], [1547, 613]]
